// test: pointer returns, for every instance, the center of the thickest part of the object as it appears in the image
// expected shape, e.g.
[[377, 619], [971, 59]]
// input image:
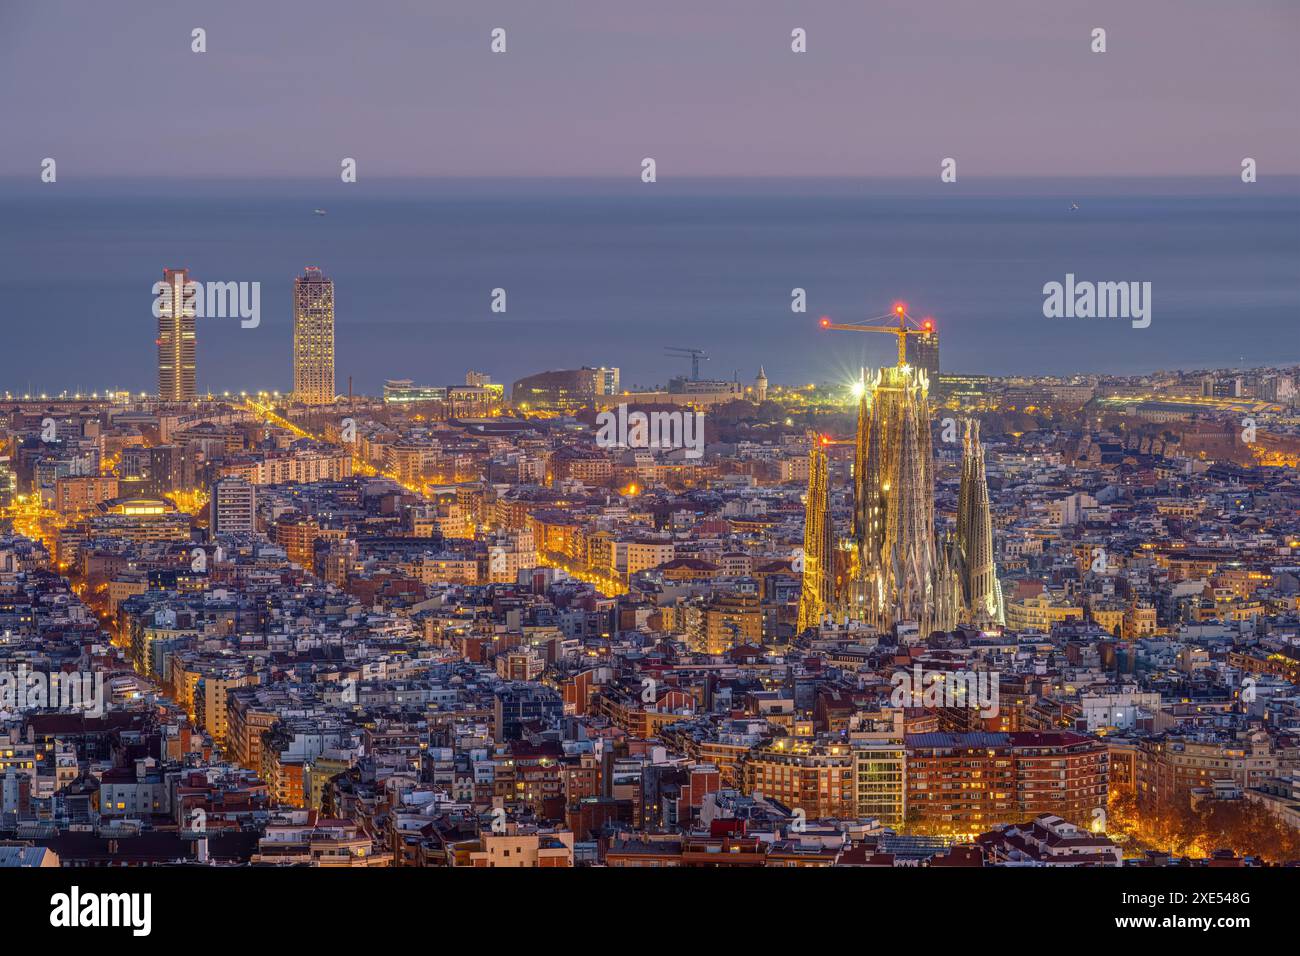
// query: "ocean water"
[[611, 273]]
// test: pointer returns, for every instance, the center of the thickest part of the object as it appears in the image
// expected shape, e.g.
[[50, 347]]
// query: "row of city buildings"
[[914, 632]]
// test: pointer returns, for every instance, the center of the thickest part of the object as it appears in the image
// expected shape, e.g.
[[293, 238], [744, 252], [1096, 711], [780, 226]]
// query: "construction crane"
[[696, 356], [902, 330]]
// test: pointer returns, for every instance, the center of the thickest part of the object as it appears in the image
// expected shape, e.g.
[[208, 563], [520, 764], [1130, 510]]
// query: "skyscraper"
[[923, 351], [176, 342], [313, 338]]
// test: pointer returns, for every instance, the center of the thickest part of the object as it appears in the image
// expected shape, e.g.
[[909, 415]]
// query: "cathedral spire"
[[980, 586], [899, 571]]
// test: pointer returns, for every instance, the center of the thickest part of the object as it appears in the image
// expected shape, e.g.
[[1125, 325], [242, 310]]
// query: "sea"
[[616, 272]]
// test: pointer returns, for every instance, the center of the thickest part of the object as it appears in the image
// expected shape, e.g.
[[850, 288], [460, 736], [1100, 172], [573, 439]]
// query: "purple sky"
[[707, 87]]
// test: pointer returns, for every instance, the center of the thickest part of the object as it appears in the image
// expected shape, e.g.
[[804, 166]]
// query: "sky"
[[588, 88]]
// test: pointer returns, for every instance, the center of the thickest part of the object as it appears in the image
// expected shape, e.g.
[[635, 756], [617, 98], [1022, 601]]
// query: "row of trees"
[[1178, 828]]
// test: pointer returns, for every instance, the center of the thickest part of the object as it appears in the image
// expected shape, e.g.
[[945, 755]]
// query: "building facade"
[[176, 338], [313, 338]]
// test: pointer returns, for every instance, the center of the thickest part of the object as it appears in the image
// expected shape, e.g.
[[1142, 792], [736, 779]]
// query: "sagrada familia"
[[892, 568]]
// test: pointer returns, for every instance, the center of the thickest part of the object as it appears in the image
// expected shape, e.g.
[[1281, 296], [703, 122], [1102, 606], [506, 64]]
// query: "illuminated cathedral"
[[895, 570]]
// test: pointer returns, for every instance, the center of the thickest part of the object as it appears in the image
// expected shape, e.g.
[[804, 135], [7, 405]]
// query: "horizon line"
[[621, 177]]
